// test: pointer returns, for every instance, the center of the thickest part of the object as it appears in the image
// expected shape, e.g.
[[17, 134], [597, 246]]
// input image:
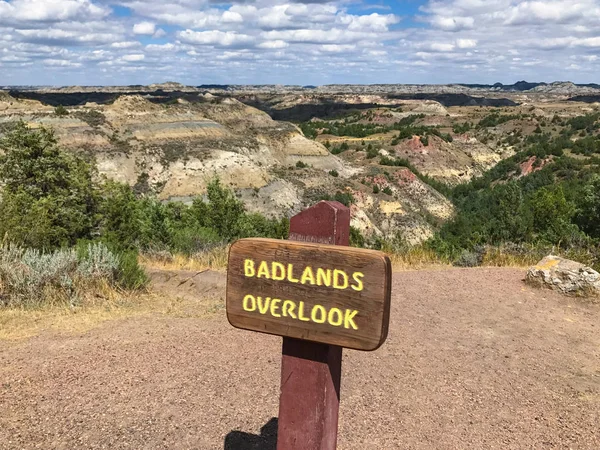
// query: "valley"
[[392, 153]]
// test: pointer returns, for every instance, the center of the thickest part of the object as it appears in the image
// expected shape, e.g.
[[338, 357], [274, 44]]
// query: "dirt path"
[[474, 359]]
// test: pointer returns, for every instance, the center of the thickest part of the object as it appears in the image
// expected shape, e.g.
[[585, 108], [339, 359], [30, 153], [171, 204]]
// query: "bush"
[[48, 200], [31, 278], [387, 191], [61, 111], [334, 173], [376, 189], [470, 258], [131, 275], [301, 165], [356, 238], [92, 117]]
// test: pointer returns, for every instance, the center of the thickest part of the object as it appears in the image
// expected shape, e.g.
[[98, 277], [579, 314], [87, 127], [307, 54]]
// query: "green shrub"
[[387, 191], [301, 165], [334, 173], [356, 238], [32, 278], [131, 275], [92, 117], [372, 152], [61, 111], [48, 199], [376, 189]]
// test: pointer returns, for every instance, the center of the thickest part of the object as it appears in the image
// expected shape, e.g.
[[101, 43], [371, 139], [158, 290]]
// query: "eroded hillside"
[[389, 157], [173, 150]]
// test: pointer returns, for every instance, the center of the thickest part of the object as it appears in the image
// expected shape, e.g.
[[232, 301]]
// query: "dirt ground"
[[474, 359]]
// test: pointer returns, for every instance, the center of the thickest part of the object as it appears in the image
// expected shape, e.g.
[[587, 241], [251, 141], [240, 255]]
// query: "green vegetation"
[[61, 111], [402, 162], [92, 117], [301, 165], [334, 173], [555, 206], [495, 119], [53, 207], [29, 277], [352, 128], [345, 198]]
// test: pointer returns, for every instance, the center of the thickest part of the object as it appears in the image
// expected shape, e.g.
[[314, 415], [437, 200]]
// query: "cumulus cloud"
[[308, 42], [147, 28], [133, 57], [214, 37], [50, 11]]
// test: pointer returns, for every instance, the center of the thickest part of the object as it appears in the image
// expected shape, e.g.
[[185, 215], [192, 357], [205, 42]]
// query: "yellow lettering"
[[324, 277], [336, 279], [357, 278], [308, 276], [301, 315], [263, 307], [349, 319], [277, 271], [288, 309], [290, 274], [318, 309], [335, 317], [274, 307], [263, 270], [249, 303], [249, 268]]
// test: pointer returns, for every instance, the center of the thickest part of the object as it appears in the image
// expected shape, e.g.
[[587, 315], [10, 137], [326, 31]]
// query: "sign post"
[[311, 372], [321, 296]]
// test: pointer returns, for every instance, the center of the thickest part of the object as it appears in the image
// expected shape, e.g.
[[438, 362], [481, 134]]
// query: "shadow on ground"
[[267, 440]]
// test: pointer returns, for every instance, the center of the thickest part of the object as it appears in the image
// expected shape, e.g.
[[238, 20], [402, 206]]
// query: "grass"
[[17, 323], [20, 322], [417, 258], [213, 259], [109, 304]]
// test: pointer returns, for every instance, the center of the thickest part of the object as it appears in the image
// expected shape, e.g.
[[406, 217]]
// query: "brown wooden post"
[[311, 372]]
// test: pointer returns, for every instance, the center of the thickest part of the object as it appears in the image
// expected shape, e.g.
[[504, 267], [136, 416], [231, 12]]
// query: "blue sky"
[[91, 42]]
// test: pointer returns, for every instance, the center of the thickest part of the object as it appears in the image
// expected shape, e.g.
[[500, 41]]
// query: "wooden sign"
[[322, 293]]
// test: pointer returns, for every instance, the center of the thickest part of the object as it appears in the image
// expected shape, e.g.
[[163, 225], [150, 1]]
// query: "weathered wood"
[[321, 293], [311, 373]]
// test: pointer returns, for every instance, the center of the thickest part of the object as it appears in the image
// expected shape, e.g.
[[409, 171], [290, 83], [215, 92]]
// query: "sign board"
[[322, 293]]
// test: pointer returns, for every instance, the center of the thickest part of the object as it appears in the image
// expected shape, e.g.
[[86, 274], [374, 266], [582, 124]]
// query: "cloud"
[[273, 44], [146, 28], [214, 37], [133, 57], [22, 11], [306, 42], [466, 43], [452, 23]]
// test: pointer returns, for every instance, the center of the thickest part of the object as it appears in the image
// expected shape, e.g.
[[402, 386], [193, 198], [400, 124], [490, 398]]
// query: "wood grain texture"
[[371, 304]]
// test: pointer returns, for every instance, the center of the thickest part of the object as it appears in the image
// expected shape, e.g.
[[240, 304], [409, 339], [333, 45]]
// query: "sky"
[[303, 42]]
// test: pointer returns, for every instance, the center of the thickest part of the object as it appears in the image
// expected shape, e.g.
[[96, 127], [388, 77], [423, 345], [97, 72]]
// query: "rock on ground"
[[565, 276]]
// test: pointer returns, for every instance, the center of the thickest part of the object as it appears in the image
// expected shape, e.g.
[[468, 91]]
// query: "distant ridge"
[[523, 85]]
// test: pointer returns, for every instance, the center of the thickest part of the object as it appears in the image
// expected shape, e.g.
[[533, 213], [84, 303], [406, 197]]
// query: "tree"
[[61, 111], [552, 214], [223, 212], [588, 212], [48, 198]]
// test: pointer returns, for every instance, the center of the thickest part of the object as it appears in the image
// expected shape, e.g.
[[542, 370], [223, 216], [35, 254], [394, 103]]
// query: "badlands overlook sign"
[[322, 293]]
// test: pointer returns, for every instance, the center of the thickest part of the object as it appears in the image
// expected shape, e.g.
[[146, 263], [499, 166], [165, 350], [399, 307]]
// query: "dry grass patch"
[[417, 258], [18, 323], [499, 257], [213, 259]]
